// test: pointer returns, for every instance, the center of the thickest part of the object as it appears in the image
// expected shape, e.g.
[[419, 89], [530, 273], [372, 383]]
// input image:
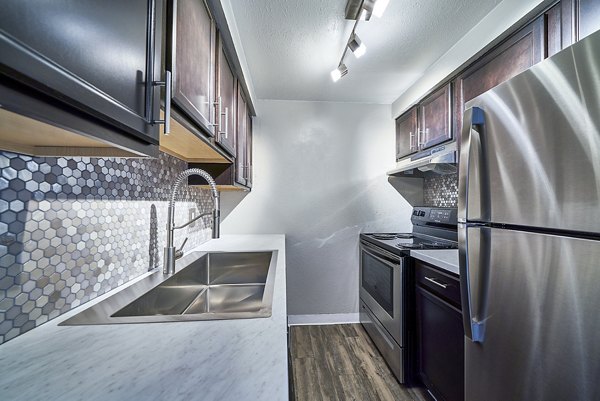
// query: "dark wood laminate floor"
[[341, 363]]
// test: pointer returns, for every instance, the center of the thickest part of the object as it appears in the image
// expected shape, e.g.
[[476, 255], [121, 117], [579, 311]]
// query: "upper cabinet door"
[[406, 134], [559, 22], [191, 60], [435, 118], [97, 56], [588, 17], [226, 97], [242, 122], [249, 151], [519, 52]]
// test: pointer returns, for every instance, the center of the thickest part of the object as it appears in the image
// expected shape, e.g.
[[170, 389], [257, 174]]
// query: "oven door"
[[381, 287]]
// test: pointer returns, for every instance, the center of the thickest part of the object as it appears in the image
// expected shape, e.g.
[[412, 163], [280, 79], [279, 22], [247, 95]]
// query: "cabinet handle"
[[217, 125], [226, 131], [168, 84], [412, 136], [434, 281], [420, 134]]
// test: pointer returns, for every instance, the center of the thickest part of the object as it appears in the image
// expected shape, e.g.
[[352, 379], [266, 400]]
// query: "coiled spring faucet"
[[171, 253]]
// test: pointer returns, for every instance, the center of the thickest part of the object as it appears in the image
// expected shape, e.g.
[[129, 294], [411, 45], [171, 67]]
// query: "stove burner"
[[410, 246], [438, 245], [391, 236], [427, 245]]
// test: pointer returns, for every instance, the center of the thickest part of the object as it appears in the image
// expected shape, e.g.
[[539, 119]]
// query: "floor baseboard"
[[323, 319]]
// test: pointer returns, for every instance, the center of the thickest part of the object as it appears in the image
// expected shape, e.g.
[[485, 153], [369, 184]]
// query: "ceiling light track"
[[358, 10]]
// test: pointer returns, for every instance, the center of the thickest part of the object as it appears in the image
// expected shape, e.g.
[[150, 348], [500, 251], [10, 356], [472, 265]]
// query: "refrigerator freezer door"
[[540, 145], [542, 332]]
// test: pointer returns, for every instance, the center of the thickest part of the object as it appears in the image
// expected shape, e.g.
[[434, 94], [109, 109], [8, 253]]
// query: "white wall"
[[319, 178], [506, 14]]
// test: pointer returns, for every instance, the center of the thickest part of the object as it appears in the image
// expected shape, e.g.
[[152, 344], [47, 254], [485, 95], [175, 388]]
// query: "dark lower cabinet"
[[98, 57], [440, 335]]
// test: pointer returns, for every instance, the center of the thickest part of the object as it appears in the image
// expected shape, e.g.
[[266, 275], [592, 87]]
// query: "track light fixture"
[[358, 10]]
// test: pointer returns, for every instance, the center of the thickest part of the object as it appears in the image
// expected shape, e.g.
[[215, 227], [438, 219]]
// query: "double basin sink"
[[210, 286]]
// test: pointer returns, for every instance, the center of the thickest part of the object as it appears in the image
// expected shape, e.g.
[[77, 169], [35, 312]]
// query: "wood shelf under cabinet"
[[188, 144], [25, 135], [224, 175]]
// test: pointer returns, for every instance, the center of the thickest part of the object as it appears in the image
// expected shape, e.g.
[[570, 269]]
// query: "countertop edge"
[[444, 259]]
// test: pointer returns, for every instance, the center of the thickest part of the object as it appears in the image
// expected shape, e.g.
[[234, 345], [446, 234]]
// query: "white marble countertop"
[[446, 259], [224, 360]]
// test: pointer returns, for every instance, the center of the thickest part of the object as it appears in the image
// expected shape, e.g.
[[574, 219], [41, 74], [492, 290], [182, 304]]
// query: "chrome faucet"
[[171, 253]]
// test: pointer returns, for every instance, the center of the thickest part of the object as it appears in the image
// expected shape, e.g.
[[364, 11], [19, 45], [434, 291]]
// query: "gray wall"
[[319, 178]]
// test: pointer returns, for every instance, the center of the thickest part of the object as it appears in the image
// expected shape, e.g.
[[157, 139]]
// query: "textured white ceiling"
[[292, 45]]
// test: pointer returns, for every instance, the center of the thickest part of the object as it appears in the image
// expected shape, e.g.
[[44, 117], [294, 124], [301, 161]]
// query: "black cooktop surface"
[[408, 241]]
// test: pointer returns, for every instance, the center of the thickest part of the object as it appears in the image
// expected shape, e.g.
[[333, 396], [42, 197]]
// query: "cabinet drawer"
[[439, 283]]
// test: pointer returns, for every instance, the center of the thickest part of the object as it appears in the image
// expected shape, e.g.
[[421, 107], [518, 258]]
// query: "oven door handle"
[[379, 258]]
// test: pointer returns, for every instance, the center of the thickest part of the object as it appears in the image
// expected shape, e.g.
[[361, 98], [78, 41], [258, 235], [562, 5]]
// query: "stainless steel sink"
[[216, 285]]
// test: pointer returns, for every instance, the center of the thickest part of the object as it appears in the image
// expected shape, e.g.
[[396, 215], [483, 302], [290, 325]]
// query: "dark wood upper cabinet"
[[97, 57], [406, 133], [559, 22], [191, 59], [242, 122], [588, 17], [226, 98], [435, 118], [519, 52], [249, 150], [553, 22]]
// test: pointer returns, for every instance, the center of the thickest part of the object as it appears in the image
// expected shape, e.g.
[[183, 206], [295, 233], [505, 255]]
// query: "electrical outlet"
[[192, 214]]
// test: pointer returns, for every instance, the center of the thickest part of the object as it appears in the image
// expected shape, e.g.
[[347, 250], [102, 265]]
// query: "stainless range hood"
[[442, 159]]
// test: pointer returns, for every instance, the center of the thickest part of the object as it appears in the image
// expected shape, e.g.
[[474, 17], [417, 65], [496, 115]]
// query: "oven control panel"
[[424, 215]]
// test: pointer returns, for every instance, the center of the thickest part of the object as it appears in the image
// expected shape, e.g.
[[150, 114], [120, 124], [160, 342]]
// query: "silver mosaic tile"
[[441, 190], [74, 228]]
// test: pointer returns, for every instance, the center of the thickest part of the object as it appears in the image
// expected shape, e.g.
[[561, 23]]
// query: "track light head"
[[374, 7], [357, 46], [339, 72]]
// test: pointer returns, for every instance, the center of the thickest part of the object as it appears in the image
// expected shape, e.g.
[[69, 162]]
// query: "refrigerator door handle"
[[471, 173], [474, 253]]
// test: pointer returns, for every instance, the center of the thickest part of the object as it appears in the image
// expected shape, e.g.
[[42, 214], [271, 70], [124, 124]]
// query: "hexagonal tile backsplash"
[[441, 190], [74, 228]]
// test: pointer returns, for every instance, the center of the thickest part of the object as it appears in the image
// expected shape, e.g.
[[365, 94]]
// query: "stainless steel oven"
[[383, 302]]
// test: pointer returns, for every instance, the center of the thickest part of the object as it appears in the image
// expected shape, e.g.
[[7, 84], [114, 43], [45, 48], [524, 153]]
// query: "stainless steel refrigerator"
[[529, 233]]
